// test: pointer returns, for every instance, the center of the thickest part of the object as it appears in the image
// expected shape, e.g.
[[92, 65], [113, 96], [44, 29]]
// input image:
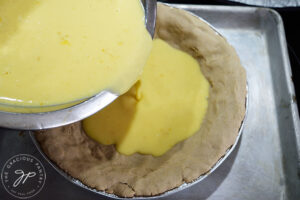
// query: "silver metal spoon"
[[46, 120]]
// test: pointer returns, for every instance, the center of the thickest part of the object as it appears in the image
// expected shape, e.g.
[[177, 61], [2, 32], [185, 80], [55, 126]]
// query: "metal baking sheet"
[[271, 3], [264, 164]]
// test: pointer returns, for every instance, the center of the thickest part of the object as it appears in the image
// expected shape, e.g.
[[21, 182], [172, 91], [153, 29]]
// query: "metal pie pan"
[[172, 191]]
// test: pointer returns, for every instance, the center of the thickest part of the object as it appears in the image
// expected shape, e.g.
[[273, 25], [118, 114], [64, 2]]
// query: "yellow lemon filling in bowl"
[[57, 52]]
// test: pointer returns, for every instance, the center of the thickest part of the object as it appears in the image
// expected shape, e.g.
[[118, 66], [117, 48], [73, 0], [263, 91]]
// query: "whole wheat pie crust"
[[103, 168]]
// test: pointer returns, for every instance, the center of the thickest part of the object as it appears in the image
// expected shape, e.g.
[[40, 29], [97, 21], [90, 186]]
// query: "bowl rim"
[[62, 117]]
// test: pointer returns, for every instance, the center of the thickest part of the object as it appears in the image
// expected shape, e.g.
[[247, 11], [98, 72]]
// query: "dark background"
[[291, 19]]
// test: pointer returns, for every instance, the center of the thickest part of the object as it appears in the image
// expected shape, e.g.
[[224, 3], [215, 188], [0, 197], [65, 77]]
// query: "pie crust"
[[103, 168]]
